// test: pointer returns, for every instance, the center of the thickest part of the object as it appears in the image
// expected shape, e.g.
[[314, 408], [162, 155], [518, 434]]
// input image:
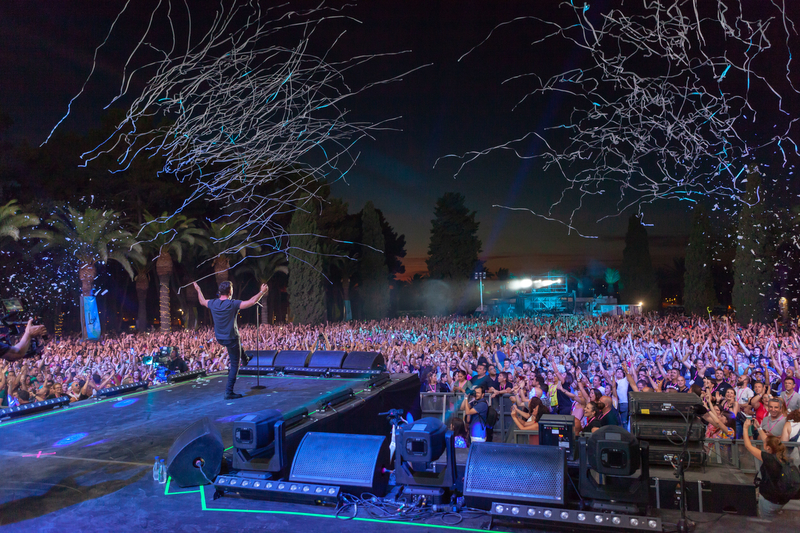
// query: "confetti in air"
[[252, 113], [665, 100]]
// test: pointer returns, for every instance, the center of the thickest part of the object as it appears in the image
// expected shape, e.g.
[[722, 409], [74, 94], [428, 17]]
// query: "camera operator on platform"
[[224, 311], [176, 362], [18, 351]]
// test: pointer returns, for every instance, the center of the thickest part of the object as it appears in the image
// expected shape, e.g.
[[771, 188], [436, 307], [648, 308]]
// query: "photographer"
[[18, 351], [475, 412]]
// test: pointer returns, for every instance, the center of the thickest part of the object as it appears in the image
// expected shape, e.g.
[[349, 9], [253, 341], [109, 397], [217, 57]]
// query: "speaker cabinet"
[[198, 447], [509, 472], [261, 358], [364, 361], [327, 359], [296, 358], [353, 462]]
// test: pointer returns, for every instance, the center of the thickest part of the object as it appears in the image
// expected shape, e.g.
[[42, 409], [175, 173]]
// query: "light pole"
[[480, 276]]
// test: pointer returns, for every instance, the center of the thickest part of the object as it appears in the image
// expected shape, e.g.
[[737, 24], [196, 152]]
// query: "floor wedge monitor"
[[515, 473]]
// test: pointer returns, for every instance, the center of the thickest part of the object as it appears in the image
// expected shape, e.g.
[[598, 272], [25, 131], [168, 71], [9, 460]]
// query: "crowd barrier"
[[721, 452], [443, 405]]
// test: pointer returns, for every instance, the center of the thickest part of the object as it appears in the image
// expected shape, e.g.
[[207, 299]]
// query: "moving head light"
[[255, 430], [422, 442]]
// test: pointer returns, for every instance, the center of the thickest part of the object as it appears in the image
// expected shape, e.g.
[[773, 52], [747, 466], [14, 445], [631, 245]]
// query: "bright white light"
[[526, 283], [641, 304]]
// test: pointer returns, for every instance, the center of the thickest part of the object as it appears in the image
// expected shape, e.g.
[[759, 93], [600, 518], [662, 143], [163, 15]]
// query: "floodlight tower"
[[480, 276]]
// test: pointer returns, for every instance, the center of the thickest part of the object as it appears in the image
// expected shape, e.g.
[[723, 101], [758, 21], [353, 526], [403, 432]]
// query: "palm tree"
[[168, 237], [93, 236], [263, 267], [224, 241], [13, 223], [612, 277], [142, 284]]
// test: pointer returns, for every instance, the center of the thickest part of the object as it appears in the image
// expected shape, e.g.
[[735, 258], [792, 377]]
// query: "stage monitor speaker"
[[515, 473], [327, 359], [364, 361], [296, 358], [353, 462], [198, 447], [261, 358]]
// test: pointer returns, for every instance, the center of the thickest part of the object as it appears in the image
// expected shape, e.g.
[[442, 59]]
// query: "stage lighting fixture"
[[35, 407], [122, 389], [613, 451], [255, 430], [569, 518], [422, 442], [185, 376], [250, 485]]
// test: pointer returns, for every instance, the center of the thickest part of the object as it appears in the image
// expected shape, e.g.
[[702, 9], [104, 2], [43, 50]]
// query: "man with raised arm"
[[224, 310]]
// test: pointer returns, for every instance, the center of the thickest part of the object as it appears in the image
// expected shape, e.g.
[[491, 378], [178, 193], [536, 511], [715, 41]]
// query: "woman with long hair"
[[460, 433], [791, 433], [773, 458], [529, 421]]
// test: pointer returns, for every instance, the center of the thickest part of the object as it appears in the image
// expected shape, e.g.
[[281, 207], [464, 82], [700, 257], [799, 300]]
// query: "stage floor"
[[89, 468]]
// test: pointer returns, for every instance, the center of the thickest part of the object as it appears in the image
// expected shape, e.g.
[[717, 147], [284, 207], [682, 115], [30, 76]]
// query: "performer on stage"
[[224, 311]]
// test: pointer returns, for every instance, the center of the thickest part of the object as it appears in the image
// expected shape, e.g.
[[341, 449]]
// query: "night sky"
[[449, 107]]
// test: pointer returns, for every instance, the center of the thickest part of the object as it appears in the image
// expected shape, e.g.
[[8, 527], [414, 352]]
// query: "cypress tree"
[[374, 272], [698, 281], [454, 247], [638, 280], [306, 292], [752, 267]]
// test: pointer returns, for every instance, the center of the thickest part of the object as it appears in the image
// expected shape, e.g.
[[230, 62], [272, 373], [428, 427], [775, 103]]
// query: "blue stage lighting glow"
[[96, 443], [123, 403], [71, 439]]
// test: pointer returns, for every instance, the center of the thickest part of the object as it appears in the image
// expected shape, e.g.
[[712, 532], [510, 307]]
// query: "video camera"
[[161, 358], [14, 324]]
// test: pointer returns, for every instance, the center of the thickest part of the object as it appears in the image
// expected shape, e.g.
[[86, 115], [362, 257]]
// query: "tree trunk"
[[164, 270], [142, 284], [221, 266], [87, 274], [348, 311]]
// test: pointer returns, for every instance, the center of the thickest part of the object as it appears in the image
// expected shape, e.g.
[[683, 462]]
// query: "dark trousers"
[[234, 347], [623, 414]]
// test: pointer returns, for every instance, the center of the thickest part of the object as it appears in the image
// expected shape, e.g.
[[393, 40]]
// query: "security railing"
[[444, 405], [721, 452]]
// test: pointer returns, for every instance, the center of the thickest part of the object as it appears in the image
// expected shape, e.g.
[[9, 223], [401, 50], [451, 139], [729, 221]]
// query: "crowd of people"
[[583, 366]]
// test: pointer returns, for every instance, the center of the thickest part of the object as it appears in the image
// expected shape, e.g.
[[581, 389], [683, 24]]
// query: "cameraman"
[[475, 411], [176, 363], [18, 351]]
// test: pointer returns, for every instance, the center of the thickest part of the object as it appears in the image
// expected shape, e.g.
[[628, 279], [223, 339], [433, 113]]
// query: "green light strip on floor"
[[318, 515], [168, 493], [228, 448]]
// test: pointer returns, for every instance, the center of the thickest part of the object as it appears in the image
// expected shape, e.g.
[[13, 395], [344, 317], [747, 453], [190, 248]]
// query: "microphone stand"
[[684, 524], [258, 385]]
